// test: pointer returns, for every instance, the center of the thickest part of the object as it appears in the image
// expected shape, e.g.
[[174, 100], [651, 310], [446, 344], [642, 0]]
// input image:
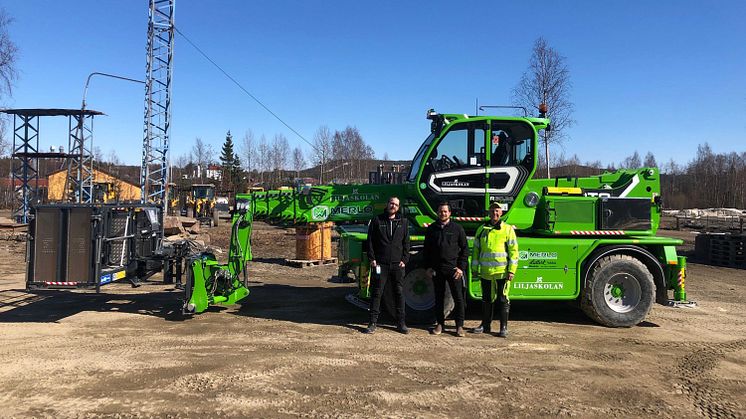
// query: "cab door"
[[510, 159], [455, 170]]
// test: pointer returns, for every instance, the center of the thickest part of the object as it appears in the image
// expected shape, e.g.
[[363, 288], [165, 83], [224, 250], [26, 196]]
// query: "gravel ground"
[[294, 348]]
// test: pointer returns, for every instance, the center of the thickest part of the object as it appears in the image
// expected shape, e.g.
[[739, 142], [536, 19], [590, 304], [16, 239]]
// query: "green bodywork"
[[563, 224], [212, 283]]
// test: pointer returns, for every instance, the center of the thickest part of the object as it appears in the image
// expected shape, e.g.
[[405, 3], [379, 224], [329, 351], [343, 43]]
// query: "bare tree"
[[279, 157], [596, 164], [649, 160], [348, 145], [386, 156], [113, 158], [322, 149], [340, 149], [182, 161], [264, 153], [672, 168], [5, 142], [631, 162], [298, 161], [248, 150], [202, 154], [98, 155], [8, 74], [8, 55], [547, 81]]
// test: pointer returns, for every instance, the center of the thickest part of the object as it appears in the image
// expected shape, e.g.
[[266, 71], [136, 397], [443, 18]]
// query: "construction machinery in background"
[[175, 200], [105, 191], [201, 202], [222, 210], [586, 239]]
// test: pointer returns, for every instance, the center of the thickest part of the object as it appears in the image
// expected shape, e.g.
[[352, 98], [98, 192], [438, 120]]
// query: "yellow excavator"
[[201, 201]]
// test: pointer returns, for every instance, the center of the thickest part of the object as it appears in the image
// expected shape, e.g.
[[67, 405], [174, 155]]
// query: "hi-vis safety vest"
[[495, 251]]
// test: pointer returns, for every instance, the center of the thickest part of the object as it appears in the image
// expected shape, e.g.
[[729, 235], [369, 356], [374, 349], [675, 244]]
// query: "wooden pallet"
[[300, 263]]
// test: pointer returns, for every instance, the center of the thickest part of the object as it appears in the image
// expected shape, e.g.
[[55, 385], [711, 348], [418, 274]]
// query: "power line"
[[242, 88]]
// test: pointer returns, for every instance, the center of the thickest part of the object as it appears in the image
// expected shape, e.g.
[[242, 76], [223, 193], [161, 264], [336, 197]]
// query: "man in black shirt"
[[388, 253], [446, 255]]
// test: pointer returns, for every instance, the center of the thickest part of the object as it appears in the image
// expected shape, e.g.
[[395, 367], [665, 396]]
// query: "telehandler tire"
[[619, 292], [419, 295]]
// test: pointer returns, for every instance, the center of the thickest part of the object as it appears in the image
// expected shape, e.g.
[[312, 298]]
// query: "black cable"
[[242, 88]]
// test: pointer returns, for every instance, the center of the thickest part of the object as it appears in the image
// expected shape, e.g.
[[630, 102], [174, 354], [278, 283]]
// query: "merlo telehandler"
[[586, 239]]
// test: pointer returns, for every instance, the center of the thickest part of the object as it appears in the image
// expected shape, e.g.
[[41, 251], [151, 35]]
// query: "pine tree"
[[238, 175], [228, 162]]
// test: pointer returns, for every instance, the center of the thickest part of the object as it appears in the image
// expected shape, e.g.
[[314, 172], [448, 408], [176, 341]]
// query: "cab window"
[[461, 148], [510, 144]]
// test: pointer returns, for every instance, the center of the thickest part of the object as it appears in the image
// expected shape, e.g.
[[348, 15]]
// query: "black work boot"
[[402, 328], [370, 329], [503, 323]]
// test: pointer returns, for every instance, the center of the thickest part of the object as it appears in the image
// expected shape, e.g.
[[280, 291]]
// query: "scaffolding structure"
[[154, 168], [26, 155]]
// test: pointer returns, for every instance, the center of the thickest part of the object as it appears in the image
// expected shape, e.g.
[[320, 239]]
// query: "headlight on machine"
[[531, 199]]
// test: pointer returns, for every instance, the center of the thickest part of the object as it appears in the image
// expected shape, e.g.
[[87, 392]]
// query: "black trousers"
[[441, 278], [394, 275], [502, 302]]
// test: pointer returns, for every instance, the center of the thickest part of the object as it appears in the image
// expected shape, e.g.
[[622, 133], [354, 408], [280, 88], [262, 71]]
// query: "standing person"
[[388, 253], [446, 259], [494, 260]]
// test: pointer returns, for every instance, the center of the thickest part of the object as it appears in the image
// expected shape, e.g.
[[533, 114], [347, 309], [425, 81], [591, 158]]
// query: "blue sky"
[[658, 76]]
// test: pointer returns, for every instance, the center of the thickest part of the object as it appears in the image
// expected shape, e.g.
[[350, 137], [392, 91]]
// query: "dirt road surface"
[[294, 348]]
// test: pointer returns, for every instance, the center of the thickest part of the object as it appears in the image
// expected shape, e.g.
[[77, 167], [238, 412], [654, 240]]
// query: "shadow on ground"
[[48, 306], [299, 304]]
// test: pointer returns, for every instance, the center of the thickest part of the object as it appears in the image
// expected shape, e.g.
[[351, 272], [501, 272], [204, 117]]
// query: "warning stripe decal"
[[597, 232], [468, 218]]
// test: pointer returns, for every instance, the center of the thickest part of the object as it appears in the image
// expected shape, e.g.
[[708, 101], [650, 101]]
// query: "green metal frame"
[[212, 283]]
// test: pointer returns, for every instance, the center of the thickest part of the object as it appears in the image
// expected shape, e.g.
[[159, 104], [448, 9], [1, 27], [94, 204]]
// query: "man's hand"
[[510, 276], [373, 263], [402, 264], [458, 273], [429, 273]]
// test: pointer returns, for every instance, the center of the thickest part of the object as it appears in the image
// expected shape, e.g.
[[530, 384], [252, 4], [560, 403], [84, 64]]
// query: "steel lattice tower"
[[154, 169], [25, 174], [79, 186]]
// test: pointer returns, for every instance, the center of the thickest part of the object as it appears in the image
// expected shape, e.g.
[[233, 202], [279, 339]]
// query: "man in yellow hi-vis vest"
[[494, 261]]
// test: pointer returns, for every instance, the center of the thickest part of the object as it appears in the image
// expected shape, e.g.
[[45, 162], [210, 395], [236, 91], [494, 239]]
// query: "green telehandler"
[[586, 239]]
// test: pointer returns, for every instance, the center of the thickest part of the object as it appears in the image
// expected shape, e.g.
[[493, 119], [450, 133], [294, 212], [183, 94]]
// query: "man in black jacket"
[[388, 253], [446, 256]]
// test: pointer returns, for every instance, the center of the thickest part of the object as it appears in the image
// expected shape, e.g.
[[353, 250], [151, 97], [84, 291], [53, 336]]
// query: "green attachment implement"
[[212, 283]]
